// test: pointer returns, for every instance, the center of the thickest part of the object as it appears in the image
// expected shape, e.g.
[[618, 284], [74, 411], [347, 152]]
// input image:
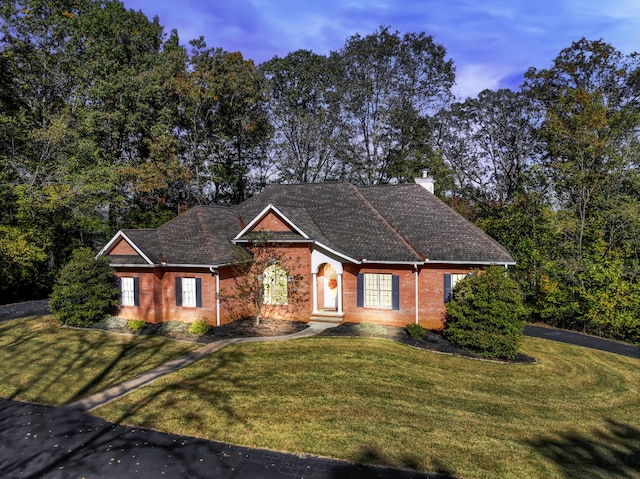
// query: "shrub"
[[486, 315], [415, 331], [136, 324], [85, 292], [201, 326], [173, 327], [112, 322], [370, 329]]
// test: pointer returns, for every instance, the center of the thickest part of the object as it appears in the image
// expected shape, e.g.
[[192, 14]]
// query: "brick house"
[[385, 254]]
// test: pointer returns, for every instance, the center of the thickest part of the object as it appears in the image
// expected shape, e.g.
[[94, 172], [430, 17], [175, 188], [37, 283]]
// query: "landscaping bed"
[[433, 341]]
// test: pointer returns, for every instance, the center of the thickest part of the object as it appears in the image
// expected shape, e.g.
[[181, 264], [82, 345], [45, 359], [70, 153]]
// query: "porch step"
[[327, 316]]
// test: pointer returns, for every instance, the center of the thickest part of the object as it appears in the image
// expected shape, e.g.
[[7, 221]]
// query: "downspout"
[[214, 272], [415, 266]]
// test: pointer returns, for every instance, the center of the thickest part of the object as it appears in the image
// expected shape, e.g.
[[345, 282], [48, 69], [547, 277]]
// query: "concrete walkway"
[[99, 399]]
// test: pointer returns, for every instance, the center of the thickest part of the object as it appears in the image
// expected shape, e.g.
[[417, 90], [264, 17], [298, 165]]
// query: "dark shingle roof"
[[201, 235], [402, 223], [431, 227]]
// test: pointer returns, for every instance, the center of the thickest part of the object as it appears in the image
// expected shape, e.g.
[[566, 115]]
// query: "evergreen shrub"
[[415, 331], [85, 292], [486, 315], [201, 326], [136, 324]]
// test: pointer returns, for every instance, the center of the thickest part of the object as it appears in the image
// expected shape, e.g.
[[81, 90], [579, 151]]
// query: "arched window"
[[275, 285]]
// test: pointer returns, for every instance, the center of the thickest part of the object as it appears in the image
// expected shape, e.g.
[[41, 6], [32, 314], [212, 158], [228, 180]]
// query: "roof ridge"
[[384, 221]]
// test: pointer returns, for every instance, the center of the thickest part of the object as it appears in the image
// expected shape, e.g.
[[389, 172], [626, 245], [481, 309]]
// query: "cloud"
[[492, 42]]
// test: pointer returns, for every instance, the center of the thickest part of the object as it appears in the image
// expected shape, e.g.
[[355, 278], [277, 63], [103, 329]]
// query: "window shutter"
[[178, 291], [395, 292], [198, 292], [447, 287], [360, 290], [136, 291], [118, 282]]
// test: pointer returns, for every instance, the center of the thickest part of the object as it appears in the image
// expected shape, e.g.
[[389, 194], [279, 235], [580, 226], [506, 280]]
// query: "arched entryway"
[[327, 287]]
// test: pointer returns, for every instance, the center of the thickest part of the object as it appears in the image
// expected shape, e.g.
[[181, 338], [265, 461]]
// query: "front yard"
[[44, 362], [574, 414]]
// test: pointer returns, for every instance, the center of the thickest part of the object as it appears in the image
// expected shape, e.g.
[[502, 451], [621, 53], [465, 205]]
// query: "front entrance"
[[330, 282]]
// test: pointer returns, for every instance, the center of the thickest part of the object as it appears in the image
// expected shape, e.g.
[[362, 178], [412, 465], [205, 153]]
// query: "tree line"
[[109, 122]]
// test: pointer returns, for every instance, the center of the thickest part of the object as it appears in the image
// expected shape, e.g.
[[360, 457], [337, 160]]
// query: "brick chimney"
[[426, 181]]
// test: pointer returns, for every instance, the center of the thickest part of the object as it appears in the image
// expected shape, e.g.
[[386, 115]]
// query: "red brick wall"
[[271, 222], [157, 294], [123, 248], [431, 306]]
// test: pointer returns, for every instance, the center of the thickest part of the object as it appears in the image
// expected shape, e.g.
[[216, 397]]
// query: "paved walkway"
[[92, 402]]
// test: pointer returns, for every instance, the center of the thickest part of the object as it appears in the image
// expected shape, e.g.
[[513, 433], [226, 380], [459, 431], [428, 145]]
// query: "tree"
[[490, 144], [224, 129], [486, 315], [589, 130], [389, 86], [304, 111], [85, 292], [268, 282]]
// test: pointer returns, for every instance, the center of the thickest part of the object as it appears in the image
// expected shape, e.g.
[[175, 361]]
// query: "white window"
[[378, 290], [128, 291], [457, 277], [189, 292], [275, 285]]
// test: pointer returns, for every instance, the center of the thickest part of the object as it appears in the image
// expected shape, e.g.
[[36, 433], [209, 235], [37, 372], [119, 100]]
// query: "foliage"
[[268, 283], [369, 329], [200, 326], [486, 314], [85, 292], [169, 327], [136, 324], [112, 322], [415, 330]]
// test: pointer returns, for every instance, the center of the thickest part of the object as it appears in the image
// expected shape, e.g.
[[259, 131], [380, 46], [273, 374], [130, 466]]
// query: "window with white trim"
[[127, 287], [274, 282], [378, 290], [189, 292], [450, 280]]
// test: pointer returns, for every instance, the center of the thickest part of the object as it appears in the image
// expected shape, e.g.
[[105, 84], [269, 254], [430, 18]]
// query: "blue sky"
[[492, 42]]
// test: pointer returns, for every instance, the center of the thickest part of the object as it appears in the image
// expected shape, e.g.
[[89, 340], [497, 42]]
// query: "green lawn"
[[575, 414], [46, 363]]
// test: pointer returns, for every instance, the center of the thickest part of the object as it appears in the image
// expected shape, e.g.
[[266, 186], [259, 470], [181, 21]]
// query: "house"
[[387, 254]]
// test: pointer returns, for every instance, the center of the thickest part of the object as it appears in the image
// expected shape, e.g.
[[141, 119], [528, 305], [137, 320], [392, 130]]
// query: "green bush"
[[415, 331], [486, 315], [201, 326], [136, 324], [85, 292]]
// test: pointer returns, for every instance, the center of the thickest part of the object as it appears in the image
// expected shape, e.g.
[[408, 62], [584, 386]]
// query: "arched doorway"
[[330, 284]]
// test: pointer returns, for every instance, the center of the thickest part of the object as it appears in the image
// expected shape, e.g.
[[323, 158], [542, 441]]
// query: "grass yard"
[[46, 363], [575, 414]]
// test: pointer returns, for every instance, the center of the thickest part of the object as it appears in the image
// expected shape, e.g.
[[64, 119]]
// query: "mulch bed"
[[433, 341]]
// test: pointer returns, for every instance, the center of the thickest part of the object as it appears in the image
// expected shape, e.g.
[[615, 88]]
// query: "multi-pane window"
[[127, 286], [274, 281], [377, 290], [189, 292]]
